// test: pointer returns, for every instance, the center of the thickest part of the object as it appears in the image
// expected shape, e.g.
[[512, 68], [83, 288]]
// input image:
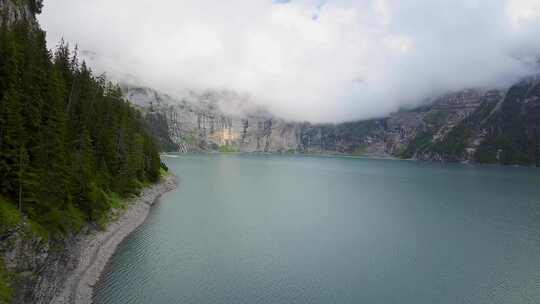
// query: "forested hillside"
[[70, 144]]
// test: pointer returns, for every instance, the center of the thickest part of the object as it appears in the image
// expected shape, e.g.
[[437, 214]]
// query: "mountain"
[[198, 123], [20, 11], [511, 130], [486, 126]]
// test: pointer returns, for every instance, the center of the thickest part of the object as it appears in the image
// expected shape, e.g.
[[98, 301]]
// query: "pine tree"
[[68, 139]]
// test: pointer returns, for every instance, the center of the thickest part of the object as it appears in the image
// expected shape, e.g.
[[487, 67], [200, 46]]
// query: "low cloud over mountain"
[[312, 60]]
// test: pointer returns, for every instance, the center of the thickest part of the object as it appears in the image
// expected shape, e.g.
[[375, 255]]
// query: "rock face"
[[212, 121], [509, 132], [97, 248], [23, 10], [488, 126], [430, 132], [40, 266], [64, 270], [438, 137]]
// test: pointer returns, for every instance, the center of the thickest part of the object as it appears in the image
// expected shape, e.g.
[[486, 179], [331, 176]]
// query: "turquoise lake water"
[[276, 229]]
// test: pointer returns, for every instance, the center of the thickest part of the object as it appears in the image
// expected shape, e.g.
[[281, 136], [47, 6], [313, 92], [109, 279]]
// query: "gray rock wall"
[[40, 267], [202, 123], [14, 11]]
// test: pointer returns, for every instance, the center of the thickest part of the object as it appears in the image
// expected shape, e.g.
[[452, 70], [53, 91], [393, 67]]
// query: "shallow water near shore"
[[290, 229]]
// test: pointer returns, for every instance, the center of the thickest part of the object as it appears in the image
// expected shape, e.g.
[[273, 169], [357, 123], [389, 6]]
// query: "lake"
[[299, 229]]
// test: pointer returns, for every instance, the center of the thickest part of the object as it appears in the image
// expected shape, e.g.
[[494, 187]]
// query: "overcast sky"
[[313, 60]]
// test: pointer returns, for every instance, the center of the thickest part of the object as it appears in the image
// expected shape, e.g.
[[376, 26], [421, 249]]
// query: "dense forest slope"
[[70, 148], [67, 138], [487, 126]]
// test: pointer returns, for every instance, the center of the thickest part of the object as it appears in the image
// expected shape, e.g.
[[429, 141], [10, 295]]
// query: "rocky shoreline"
[[96, 249]]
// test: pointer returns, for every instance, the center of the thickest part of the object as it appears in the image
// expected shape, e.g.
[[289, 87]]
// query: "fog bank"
[[312, 60]]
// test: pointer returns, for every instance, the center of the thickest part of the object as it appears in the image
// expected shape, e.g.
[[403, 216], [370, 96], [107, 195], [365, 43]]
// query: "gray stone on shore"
[[65, 271], [98, 248]]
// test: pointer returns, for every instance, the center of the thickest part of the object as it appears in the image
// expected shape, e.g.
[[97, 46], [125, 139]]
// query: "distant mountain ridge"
[[486, 126]]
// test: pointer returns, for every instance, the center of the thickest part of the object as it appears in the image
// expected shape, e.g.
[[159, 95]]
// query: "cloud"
[[313, 60]]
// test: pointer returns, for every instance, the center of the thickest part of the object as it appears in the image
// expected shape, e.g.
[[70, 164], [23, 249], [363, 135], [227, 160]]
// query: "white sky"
[[312, 60]]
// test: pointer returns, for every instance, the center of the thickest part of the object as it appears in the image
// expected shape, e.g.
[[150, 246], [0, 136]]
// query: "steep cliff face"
[[213, 121], [201, 122], [504, 128], [511, 131], [223, 121], [38, 267], [22, 10], [445, 123], [473, 125], [488, 126]]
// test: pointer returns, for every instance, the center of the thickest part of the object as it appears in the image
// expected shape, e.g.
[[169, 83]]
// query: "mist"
[[322, 61]]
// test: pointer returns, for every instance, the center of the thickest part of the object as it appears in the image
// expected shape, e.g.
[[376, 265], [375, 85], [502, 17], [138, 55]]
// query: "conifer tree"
[[68, 139]]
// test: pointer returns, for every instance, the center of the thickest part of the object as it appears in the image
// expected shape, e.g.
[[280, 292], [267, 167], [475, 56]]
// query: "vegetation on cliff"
[[513, 132], [505, 132], [69, 141], [6, 290]]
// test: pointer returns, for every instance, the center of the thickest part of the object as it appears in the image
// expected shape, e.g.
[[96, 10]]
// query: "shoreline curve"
[[97, 248]]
